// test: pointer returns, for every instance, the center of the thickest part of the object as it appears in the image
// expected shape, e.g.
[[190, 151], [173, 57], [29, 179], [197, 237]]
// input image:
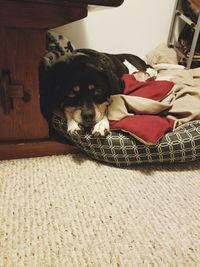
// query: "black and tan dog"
[[81, 83]]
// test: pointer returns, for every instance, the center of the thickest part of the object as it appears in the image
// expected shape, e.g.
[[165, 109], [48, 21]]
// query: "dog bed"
[[123, 150], [181, 144], [120, 148]]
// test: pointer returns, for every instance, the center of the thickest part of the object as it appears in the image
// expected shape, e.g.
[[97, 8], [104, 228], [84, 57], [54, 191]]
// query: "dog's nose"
[[88, 117]]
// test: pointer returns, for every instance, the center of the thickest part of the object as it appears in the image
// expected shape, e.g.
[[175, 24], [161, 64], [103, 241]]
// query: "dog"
[[81, 84], [195, 6], [191, 9]]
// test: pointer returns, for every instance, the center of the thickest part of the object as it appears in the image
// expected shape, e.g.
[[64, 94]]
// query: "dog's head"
[[83, 90]]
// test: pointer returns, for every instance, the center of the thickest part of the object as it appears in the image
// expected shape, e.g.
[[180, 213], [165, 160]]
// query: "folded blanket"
[[139, 110], [147, 110], [184, 96]]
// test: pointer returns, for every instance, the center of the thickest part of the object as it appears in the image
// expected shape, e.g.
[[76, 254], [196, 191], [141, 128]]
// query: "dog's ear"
[[49, 89], [59, 74]]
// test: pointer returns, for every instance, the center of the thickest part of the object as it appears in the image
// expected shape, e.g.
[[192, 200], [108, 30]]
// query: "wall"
[[136, 27]]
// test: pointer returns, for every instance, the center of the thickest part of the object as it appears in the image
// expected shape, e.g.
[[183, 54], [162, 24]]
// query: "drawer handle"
[[10, 90]]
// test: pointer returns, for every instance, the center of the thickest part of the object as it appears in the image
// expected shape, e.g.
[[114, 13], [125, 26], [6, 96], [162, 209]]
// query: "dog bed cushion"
[[121, 149]]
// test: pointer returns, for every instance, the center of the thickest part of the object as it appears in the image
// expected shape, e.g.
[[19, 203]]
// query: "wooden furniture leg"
[[23, 130]]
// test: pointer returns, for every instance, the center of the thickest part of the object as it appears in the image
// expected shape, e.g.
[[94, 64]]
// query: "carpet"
[[70, 211]]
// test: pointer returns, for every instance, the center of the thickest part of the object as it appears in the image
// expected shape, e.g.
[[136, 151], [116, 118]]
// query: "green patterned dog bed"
[[121, 149]]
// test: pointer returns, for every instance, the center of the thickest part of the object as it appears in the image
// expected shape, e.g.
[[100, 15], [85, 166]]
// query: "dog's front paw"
[[74, 129], [101, 128]]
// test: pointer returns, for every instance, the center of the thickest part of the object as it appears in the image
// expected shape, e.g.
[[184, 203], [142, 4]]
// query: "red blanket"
[[146, 128]]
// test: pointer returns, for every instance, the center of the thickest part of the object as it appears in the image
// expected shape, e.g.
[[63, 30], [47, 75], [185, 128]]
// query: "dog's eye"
[[91, 86], [71, 94], [98, 92], [76, 88]]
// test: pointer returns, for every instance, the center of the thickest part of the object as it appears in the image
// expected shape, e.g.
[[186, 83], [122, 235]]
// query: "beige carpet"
[[70, 211]]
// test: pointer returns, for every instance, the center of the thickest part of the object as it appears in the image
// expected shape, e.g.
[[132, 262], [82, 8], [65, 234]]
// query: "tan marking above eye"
[[76, 88], [91, 86]]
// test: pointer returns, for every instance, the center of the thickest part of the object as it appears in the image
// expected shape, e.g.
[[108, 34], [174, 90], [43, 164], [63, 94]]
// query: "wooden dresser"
[[23, 130]]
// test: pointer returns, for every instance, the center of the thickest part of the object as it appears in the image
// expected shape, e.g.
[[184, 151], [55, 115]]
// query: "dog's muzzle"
[[88, 118]]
